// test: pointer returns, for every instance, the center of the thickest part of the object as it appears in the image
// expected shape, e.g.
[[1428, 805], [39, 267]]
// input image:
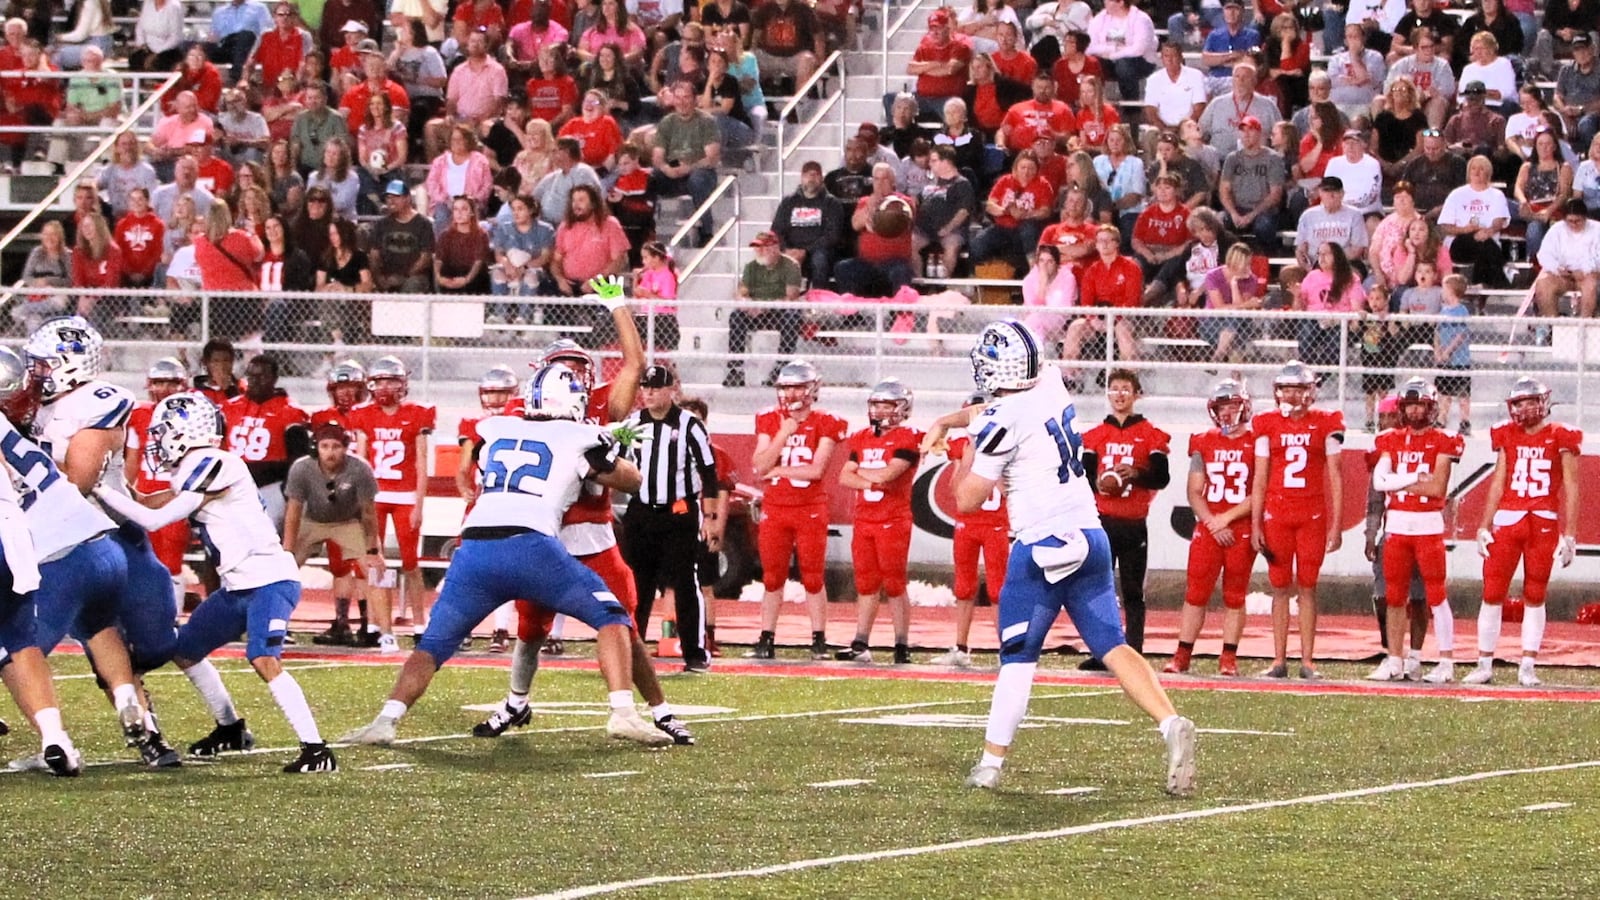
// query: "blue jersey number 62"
[[498, 477]]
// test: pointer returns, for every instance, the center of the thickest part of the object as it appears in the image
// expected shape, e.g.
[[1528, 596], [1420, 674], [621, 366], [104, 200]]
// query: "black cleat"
[[902, 655], [157, 754], [502, 720], [819, 647], [63, 763], [1091, 664], [763, 649], [337, 635], [679, 731], [553, 647], [312, 758], [4, 728], [224, 739]]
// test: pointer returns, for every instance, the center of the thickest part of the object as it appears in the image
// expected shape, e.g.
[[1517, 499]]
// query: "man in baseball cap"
[[1330, 222]]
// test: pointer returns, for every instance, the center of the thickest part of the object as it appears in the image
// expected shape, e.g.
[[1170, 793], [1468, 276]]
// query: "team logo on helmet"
[[63, 354], [889, 404], [555, 392], [1006, 357], [182, 423]]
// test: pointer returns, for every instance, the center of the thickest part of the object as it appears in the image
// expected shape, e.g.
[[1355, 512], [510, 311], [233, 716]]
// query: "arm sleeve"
[[181, 507], [1091, 462], [1384, 477], [1157, 476], [704, 458]]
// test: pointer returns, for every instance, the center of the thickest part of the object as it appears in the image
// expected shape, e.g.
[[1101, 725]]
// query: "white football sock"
[[292, 701], [1165, 725], [558, 626], [124, 695], [392, 709], [661, 710], [620, 700], [1532, 629], [992, 761], [1010, 703], [516, 702], [502, 617], [205, 678], [524, 665], [48, 721], [1444, 628], [1488, 630]]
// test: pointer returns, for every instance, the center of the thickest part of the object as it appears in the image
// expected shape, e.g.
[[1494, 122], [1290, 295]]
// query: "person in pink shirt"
[[528, 38], [1123, 37], [614, 28], [590, 242], [460, 171], [478, 87], [1048, 286], [1333, 286], [173, 134], [657, 281]]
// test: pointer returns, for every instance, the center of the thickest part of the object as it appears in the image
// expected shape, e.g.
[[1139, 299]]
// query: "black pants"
[[1130, 552], [661, 547], [786, 321]]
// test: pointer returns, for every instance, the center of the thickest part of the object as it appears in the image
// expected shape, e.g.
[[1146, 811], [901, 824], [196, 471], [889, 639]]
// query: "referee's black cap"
[[657, 377]]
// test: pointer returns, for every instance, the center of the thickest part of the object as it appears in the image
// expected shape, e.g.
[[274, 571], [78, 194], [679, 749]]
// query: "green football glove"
[[626, 434], [608, 290]]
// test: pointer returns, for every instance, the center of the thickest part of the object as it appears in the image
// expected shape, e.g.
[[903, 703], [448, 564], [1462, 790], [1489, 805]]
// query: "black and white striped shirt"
[[674, 456]]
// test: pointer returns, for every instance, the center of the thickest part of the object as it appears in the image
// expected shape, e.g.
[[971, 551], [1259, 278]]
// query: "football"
[[1111, 483], [892, 218], [378, 160]]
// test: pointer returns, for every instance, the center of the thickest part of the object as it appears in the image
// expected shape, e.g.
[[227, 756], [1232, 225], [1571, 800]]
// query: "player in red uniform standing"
[[1531, 516], [1221, 462], [165, 377], [1414, 463], [794, 442], [266, 430], [1127, 458], [984, 531], [1295, 505], [495, 390], [392, 436], [881, 468], [347, 389]]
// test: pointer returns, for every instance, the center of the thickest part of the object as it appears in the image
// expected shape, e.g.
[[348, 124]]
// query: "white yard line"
[[1545, 807], [622, 774], [386, 767], [1055, 834], [842, 782], [1071, 791]]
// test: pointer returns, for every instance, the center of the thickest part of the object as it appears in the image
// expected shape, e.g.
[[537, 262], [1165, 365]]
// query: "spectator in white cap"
[[1360, 172]]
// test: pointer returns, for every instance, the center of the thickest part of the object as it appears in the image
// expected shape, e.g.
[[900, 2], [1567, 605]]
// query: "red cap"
[[869, 131], [1249, 122], [939, 18]]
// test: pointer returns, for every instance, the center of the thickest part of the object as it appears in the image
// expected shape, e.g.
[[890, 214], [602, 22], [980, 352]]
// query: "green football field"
[[815, 780]]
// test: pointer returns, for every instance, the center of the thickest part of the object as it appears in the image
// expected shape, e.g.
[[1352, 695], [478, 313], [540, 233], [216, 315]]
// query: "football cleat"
[[387, 644], [378, 731], [1228, 666], [1445, 672], [1388, 670], [1277, 670], [133, 730], [819, 647], [312, 758], [466, 643], [902, 655], [1413, 669], [553, 647], [1480, 674], [157, 754], [763, 649], [985, 777], [62, 762], [1180, 758], [1526, 676], [680, 733], [1309, 673], [1174, 668], [626, 725], [501, 642], [1091, 664], [955, 657], [502, 720], [4, 728], [233, 738], [854, 653], [337, 635]]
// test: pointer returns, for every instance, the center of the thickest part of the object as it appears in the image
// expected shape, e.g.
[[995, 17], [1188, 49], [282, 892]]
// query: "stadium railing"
[[786, 148]]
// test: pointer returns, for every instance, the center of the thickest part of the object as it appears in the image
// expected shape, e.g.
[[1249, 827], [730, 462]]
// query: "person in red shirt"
[[881, 467], [1044, 112], [139, 233], [985, 531], [1126, 457], [1413, 470], [353, 105], [1221, 463], [215, 174], [1020, 206], [596, 132], [199, 76], [265, 428], [392, 436], [1161, 242], [794, 443], [496, 388], [1112, 280], [1531, 517], [96, 261], [480, 15], [1010, 61], [552, 93], [940, 65], [165, 377], [347, 389], [1095, 118], [344, 60], [284, 47], [1296, 505], [1073, 236]]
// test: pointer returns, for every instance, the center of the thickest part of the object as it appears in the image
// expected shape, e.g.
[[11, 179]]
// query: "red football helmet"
[[1229, 405], [347, 385], [1529, 401], [496, 388], [166, 377], [567, 352], [388, 381], [19, 394]]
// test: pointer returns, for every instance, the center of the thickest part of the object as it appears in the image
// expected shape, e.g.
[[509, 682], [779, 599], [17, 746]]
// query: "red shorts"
[[534, 621], [1424, 551], [338, 565], [1297, 542], [1532, 540], [1208, 559], [409, 539], [797, 530], [169, 544], [995, 544], [879, 551]]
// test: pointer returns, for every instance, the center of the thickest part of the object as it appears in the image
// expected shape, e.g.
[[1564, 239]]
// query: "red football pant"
[[409, 539], [995, 545], [879, 552], [337, 564], [534, 621], [1532, 540], [1296, 543], [798, 530], [1208, 559], [1426, 552], [169, 544]]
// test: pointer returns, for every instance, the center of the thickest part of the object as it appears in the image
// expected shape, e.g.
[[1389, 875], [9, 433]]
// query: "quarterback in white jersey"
[[532, 466], [260, 581], [1026, 442]]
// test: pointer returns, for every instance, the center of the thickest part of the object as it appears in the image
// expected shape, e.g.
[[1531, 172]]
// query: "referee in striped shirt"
[[664, 523]]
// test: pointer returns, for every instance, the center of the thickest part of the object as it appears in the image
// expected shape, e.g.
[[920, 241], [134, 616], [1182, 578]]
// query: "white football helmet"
[[1294, 387], [63, 354], [19, 395], [181, 423], [388, 380], [1229, 405], [496, 388], [555, 392], [568, 352], [166, 376], [893, 398], [347, 385], [1526, 414], [1006, 357], [1419, 403], [797, 374]]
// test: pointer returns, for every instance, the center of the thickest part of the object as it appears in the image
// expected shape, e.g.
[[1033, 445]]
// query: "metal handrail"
[[889, 32], [135, 81], [835, 59], [699, 213]]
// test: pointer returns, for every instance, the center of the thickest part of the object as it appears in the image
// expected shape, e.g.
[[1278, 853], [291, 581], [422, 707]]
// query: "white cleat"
[[1526, 676], [1388, 670], [1443, 673], [1413, 669], [379, 731], [627, 725], [984, 777], [958, 658], [387, 644], [1180, 758], [34, 763], [1480, 674]]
